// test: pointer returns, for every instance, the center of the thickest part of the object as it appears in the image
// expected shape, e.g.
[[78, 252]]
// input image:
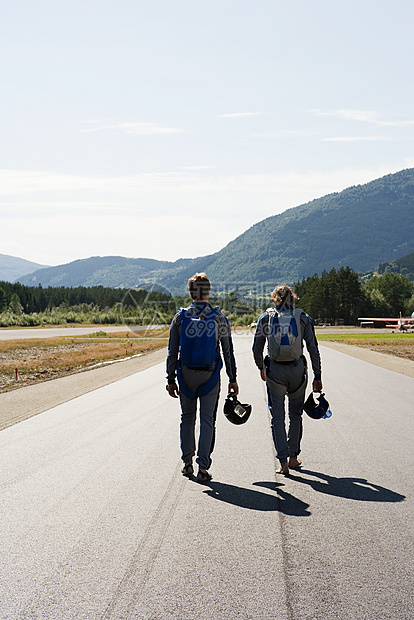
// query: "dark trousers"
[[208, 413], [290, 376]]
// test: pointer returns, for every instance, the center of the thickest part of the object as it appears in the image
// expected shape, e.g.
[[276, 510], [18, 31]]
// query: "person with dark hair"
[[284, 369], [197, 334]]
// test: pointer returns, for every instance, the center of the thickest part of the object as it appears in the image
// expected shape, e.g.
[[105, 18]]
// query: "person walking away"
[[197, 334], [284, 328]]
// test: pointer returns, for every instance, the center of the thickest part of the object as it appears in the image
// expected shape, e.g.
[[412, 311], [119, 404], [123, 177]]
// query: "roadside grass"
[[358, 338], [399, 344], [40, 359], [46, 358]]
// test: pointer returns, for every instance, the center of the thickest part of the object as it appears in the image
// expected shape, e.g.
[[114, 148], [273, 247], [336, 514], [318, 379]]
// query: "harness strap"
[[281, 390], [203, 389]]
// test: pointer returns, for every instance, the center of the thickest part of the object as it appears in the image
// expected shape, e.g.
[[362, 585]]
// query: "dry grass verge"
[[42, 359], [399, 345], [38, 360]]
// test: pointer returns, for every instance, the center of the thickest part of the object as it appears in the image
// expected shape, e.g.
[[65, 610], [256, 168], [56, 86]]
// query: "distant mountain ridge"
[[359, 227], [12, 267], [109, 271]]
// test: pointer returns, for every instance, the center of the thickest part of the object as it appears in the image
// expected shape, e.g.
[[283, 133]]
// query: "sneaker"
[[187, 470], [203, 476]]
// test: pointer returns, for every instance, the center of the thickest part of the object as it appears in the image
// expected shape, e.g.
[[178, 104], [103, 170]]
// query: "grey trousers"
[[291, 376], [208, 413]]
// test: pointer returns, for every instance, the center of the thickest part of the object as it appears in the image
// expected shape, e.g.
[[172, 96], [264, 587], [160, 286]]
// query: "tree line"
[[26, 306], [39, 299], [337, 295], [340, 295]]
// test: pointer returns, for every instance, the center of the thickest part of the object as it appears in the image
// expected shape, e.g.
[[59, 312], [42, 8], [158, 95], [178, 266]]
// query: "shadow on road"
[[349, 488], [256, 500]]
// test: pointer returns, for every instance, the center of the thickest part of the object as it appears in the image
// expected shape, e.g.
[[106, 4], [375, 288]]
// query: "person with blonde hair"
[[283, 295], [284, 328], [197, 335]]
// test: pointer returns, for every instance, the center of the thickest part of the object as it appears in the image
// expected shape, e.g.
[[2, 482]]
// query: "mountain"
[[110, 271], [12, 268], [352, 228], [403, 266], [358, 227]]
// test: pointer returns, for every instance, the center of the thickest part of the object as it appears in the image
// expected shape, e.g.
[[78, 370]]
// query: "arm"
[[259, 342], [172, 357], [309, 337], [224, 335]]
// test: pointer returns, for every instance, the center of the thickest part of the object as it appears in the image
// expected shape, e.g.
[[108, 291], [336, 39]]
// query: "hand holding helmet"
[[317, 385], [233, 388]]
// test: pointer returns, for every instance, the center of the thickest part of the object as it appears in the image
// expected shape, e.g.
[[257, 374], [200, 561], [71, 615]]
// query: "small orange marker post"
[[15, 373]]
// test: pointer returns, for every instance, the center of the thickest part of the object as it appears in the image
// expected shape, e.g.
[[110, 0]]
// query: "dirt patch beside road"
[[19, 405], [27, 362]]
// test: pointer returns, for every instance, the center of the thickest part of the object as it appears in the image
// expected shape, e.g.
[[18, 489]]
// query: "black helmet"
[[235, 412], [316, 410]]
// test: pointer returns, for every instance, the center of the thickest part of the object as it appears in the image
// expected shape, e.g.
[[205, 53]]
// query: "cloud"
[[134, 215], [196, 167], [355, 139], [31, 188], [142, 129], [395, 123], [366, 116], [238, 114], [283, 133]]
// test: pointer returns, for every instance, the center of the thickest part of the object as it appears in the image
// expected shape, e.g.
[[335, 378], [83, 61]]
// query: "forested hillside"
[[359, 227], [404, 266]]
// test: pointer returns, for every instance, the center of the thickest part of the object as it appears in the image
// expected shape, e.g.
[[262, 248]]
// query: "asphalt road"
[[58, 332], [98, 523]]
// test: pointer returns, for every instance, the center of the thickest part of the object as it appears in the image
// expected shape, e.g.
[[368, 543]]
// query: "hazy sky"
[[165, 128]]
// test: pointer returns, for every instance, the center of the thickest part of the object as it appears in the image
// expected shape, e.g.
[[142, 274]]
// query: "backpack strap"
[[184, 313], [211, 315]]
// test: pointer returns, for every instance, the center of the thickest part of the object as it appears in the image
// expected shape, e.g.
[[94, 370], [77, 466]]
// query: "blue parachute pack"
[[198, 349]]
